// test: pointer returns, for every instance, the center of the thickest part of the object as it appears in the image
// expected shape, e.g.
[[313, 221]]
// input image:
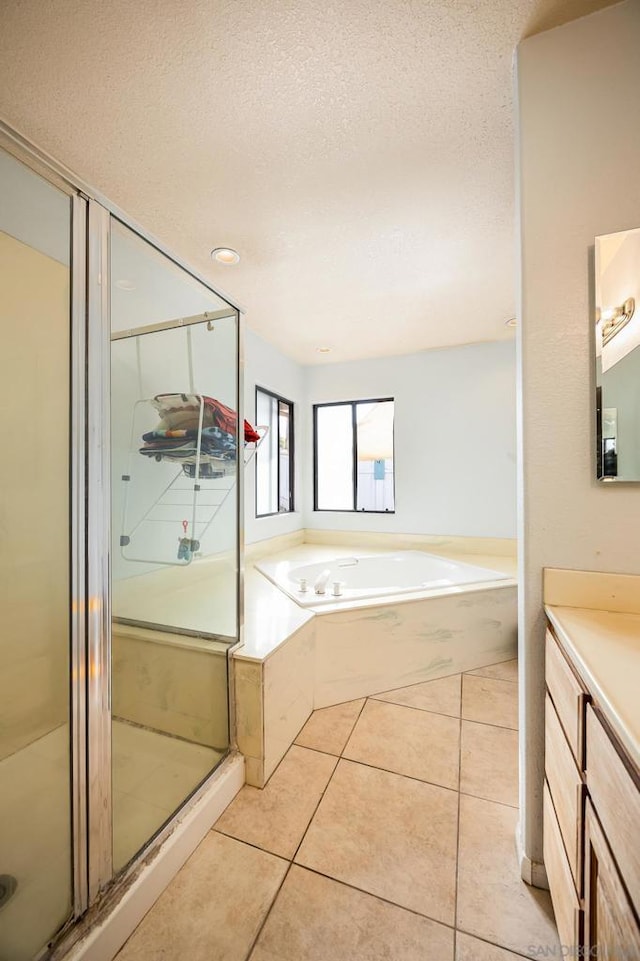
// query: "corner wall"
[[455, 439], [578, 154]]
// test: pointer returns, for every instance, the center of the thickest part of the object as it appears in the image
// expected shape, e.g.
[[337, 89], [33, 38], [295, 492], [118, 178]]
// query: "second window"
[[353, 456]]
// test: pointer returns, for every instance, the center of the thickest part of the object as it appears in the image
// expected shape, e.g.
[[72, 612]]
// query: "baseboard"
[[533, 872], [438, 543]]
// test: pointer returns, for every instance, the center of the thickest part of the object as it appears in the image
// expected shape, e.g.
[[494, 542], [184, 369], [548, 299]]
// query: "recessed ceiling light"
[[512, 322], [125, 284], [225, 255], [323, 350]]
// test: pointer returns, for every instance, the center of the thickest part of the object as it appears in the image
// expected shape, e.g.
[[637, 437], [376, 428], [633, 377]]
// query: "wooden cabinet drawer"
[[611, 929], [615, 797], [563, 893], [568, 696], [567, 790]]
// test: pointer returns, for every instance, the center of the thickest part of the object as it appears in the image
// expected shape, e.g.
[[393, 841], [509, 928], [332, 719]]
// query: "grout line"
[[409, 777], [378, 897], [488, 677], [501, 727], [316, 750], [267, 913], [412, 707], [310, 821], [490, 800], [286, 753], [251, 844], [344, 746], [457, 872], [495, 944]]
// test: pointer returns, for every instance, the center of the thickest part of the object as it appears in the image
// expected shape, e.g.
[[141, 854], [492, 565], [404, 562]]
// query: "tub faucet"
[[320, 585]]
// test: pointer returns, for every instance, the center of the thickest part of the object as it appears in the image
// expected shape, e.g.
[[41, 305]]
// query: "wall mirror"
[[617, 333]]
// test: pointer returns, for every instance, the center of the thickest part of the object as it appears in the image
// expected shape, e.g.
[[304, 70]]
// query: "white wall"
[[455, 444], [579, 148], [265, 366]]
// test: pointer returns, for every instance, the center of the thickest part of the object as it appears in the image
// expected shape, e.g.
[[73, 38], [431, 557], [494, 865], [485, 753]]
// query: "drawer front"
[[567, 790], [563, 893], [616, 799], [610, 927], [568, 696]]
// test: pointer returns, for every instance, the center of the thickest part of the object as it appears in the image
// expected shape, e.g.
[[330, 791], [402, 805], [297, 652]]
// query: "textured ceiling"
[[358, 154]]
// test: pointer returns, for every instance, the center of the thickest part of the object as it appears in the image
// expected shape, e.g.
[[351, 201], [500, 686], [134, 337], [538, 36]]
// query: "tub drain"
[[8, 885]]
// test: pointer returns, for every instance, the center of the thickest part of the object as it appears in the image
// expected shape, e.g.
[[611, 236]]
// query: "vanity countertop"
[[605, 647]]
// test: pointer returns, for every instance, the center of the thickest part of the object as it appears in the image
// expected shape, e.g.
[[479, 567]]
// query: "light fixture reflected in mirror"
[[617, 356], [615, 318]]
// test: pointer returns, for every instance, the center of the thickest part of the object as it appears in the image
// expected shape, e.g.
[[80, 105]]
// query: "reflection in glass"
[[174, 536], [617, 332], [354, 456], [374, 433], [35, 805], [334, 457]]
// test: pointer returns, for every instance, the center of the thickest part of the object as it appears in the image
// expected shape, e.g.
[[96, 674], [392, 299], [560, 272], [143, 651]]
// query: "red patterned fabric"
[[182, 411]]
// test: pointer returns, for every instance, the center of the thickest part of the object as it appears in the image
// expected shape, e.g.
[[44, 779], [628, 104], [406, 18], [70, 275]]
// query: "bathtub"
[[348, 579]]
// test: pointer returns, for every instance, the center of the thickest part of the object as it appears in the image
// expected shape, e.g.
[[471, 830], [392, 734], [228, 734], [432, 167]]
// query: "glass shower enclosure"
[[120, 545]]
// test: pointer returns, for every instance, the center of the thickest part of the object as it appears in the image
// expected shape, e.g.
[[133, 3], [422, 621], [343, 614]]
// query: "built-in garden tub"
[[346, 579], [400, 618]]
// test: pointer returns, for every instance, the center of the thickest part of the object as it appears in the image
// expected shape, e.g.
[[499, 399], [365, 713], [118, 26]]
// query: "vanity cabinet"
[[591, 819]]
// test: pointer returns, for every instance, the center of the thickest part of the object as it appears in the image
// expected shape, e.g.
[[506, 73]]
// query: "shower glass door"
[[174, 534], [36, 890], [120, 500]]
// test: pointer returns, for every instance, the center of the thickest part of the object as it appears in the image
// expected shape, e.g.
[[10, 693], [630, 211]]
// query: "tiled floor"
[[387, 832]]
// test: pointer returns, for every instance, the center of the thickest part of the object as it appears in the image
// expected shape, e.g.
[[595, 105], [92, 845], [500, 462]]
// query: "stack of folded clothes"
[[177, 436]]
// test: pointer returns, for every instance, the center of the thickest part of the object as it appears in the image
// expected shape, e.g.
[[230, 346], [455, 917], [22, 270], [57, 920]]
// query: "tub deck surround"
[[603, 642], [372, 576], [294, 660], [368, 650]]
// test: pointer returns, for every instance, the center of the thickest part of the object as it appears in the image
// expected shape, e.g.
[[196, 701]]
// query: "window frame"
[[354, 424], [280, 400]]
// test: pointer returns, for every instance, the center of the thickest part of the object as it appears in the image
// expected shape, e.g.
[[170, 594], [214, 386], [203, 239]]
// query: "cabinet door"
[[568, 696], [611, 928], [567, 790]]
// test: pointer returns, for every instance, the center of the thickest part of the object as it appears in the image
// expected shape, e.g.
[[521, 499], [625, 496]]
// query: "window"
[[353, 456], [274, 460]]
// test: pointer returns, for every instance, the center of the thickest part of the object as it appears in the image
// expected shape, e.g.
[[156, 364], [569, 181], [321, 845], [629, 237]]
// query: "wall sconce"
[[615, 318]]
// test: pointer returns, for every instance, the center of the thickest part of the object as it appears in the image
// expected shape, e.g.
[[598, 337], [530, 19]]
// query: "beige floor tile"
[[213, 908], [406, 741], [493, 901], [276, 817], [505, 671], [489, 762], [329, 728], [490, 701], [471, 949], [441, 696], [317, 919], [389, 835]]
